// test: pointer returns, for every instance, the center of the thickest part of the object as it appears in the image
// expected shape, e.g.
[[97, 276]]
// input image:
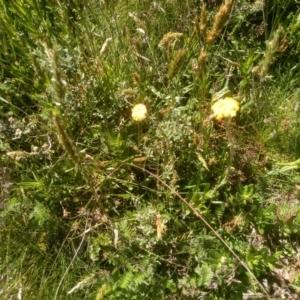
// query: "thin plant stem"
[[68, 268], [229, 137]]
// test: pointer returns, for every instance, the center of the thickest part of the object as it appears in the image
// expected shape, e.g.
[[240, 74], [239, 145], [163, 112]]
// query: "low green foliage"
[[174, 204]]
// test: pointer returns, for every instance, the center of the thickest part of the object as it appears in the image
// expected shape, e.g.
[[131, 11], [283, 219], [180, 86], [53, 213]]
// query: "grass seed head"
[[220, 20], [203, 21], [272, 48], [58, 81], [201, 60], [63, 138], [105, 45], [169, 37], [137, 46], [138, 21], [176, 63], [136, 78]]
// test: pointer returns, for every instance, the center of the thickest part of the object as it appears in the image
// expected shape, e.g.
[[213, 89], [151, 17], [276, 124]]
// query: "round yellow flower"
[[139, 112], [225, 108]]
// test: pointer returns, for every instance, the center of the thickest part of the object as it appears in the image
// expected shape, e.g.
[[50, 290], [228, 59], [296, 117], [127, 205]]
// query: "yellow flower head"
[[225, 108], [139, 112]]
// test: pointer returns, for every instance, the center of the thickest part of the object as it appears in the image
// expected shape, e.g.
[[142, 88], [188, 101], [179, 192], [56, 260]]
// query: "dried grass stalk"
[[105, 45], [159, 226]]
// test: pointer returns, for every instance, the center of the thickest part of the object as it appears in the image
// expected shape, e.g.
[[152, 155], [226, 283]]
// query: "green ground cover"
[[175, 200]]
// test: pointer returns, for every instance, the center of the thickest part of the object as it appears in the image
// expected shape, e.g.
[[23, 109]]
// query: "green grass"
[[86, 191]]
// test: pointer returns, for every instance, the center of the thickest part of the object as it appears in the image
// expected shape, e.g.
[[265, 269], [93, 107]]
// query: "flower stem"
[[229, 137]]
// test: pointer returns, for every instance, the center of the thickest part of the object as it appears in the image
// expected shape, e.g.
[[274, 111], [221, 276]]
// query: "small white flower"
[[35, 149], [18, 132], [141, 31]]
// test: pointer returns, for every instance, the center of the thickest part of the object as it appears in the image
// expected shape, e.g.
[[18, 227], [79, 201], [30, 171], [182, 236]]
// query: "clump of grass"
[[107, 231]]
